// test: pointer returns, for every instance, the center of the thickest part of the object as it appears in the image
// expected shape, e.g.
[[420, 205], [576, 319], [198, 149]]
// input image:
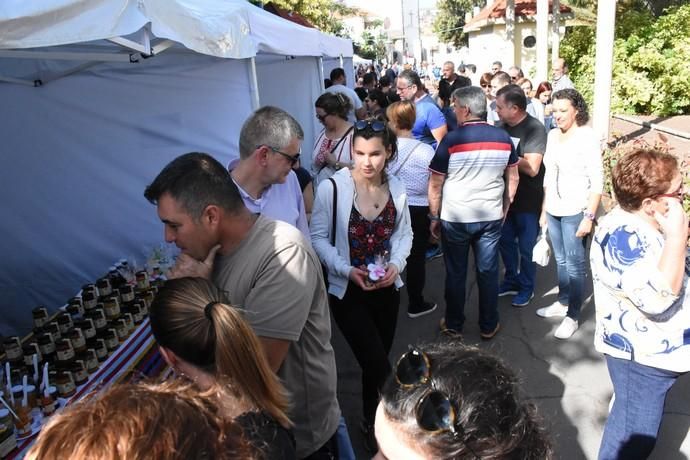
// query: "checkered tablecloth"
[[135, 360]]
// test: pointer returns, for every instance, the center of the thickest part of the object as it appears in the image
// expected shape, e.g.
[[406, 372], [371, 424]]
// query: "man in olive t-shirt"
[[266, 268], [521, 227]]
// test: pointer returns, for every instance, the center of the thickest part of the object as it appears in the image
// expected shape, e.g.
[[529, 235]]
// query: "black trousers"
[[416, 261], [367, 320]]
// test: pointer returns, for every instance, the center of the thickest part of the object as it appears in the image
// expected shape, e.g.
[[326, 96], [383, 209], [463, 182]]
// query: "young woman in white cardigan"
[[364, 254]]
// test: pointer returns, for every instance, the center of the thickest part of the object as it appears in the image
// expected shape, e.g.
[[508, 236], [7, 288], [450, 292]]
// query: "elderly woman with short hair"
[[639, 268]]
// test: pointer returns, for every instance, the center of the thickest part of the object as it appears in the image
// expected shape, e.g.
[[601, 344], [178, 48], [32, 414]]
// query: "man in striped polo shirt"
[[474, 179]]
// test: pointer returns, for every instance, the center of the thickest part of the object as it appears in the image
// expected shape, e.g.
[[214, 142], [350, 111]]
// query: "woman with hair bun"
[[334, 142], [209, 342]]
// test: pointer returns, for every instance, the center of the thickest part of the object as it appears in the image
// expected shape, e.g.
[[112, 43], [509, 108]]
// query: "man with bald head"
[[560, 76]]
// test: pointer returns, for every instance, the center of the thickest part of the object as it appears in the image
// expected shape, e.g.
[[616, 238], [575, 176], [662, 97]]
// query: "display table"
[[136, 359]]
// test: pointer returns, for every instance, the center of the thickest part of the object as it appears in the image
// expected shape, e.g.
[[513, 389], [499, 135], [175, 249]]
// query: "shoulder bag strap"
[[340, 141], [335, 210], [405, 160]]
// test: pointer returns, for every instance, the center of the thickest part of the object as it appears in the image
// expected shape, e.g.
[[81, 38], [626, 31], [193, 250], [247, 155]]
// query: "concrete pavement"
[[567, 380]]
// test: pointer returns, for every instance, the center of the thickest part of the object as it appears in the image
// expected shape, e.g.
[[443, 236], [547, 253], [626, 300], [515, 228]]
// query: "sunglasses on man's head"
[[373, 125]]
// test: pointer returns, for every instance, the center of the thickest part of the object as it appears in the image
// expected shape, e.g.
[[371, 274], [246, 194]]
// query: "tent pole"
[[321, 78], [254, 82]]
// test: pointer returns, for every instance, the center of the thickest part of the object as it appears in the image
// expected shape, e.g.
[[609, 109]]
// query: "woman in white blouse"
[[572, 190]]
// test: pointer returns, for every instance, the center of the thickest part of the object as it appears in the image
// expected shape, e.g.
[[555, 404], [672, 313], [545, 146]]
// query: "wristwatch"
[[338, 165], [433, 218], [589, 215]]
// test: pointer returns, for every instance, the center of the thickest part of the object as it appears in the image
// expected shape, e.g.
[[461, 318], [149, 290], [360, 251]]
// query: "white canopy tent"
[[98, 96]]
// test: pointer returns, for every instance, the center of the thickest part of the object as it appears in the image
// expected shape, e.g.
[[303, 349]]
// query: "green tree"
[[372, 46], [450, 20], [650, 72], [323, 14]]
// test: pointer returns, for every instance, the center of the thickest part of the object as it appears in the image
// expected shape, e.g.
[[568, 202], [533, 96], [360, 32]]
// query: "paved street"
[[567, 379]]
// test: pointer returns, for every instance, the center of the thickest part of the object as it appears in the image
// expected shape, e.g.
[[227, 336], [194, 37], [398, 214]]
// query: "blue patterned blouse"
[[638, 317]]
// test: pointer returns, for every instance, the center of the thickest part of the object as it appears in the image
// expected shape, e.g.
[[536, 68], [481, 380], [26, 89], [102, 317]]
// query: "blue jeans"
[[482, 237], [517, 255], [633, 424], [569, 252]]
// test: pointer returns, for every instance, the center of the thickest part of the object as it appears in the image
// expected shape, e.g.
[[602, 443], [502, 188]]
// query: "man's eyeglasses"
[[404, 87], [293, 159], [372, 125]]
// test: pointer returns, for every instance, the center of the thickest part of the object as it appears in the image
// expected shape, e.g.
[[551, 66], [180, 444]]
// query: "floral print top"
[[369, 239], [638, 317]]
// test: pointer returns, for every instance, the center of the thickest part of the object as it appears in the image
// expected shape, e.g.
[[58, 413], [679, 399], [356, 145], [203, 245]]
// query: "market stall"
[[98, 96]]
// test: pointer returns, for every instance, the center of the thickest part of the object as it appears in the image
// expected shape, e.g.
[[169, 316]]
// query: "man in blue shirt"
[[430, 125]]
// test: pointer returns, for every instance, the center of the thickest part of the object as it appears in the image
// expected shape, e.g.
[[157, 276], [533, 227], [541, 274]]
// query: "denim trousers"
[[569, 252], [457, 239], [367, 320], [632, 426], [518, 237], [416, 261]]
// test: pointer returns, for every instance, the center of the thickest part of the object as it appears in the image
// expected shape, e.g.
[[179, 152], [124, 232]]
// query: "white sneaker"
[[566, 329], [555, 310]]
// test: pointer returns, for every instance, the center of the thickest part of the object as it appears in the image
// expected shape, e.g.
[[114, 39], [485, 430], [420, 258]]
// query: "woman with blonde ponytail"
[[209, 342]]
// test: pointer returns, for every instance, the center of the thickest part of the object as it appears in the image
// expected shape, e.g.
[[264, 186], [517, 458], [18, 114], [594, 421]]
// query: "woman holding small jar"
[[640, 275], [333, 144], [573, 183], [364, 247]]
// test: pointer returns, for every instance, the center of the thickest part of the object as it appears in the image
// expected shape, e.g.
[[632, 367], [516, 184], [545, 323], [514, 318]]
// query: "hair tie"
[[208, 310]]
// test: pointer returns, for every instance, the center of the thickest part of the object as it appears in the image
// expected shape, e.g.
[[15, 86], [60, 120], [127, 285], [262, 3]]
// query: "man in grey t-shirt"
[[266, 268]]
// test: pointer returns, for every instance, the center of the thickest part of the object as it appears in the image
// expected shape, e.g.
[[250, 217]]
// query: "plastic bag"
[[541, 252]]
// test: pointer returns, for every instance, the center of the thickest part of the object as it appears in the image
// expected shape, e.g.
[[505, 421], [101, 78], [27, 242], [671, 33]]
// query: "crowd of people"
[[270, 250]]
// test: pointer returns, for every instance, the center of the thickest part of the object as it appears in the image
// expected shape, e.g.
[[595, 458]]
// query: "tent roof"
[[221, 28]]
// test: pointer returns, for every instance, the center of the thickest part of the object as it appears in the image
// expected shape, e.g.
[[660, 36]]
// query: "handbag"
[[333, 227], [541, 252]]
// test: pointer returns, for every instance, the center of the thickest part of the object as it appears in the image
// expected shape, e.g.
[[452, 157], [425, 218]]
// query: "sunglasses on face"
[[374, 125], [293, 159], [321, 118]]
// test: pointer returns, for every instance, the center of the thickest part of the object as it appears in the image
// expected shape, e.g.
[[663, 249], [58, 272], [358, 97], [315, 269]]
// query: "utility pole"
[[606, 23], [542, 39], [555, 33], [510, 32]]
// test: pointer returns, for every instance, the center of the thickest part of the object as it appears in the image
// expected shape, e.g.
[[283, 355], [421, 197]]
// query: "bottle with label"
[[46, 346], [65, 323], [40, 315], [13, 349], [64, 352], [65, 384], [49, 401], [89, 300]]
